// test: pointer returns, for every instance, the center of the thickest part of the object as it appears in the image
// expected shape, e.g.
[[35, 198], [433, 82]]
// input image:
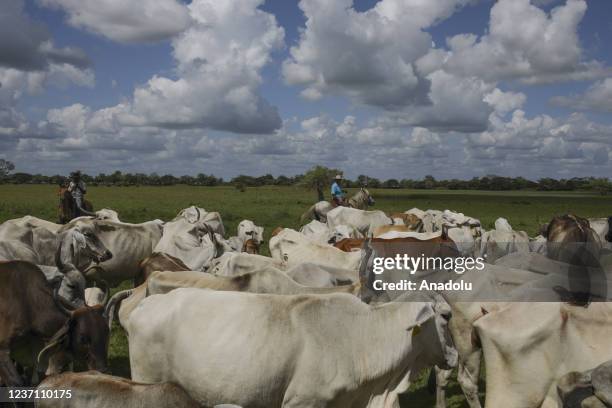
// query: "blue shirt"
[[336, 191]]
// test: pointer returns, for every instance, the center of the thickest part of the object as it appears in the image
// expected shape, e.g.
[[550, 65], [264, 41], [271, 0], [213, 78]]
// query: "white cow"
[[307, 273], [129, 244], [363, 221], [247, 230], [320, 276], [538, 244], [292, 248], [194, 214], [107, 214], [492, 288], [268, 280], [30, 239], [194, 243], [314, 348], [237, 263], [319, 232], [415, 211], [316, 231], [528, 346], [502, 241]]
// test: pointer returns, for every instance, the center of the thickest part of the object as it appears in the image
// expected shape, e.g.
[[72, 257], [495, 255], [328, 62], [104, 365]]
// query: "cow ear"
[[78, 240], [424, 314]]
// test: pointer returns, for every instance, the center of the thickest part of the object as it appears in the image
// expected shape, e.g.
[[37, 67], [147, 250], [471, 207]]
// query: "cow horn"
[[59, 301], [58, 338], [109, 310], [106, 291]]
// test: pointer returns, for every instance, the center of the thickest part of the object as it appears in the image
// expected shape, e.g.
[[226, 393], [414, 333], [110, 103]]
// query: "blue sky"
[[389, 88]]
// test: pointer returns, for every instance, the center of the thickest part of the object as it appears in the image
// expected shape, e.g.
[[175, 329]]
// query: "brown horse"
[[67, 209]]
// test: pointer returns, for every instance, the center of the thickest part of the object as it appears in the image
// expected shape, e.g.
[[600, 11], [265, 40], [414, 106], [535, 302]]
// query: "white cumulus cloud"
[[526, 43], [126, 21], [598, 97]]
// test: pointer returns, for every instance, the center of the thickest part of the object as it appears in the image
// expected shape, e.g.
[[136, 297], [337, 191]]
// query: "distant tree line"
[[317, 179]]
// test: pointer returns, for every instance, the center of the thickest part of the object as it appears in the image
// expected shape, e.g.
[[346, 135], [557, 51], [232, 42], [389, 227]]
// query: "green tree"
[[601, 185], [391, 183], [317, 178], [429, 181], [5, 168]]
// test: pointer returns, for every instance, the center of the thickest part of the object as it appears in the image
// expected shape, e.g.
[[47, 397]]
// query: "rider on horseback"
[[337, 193], [78, 189]]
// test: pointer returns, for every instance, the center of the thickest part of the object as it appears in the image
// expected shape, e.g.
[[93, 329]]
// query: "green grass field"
[[282, 206]]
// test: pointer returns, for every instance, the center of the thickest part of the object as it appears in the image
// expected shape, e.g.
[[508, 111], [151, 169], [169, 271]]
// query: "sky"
[[387, 88]]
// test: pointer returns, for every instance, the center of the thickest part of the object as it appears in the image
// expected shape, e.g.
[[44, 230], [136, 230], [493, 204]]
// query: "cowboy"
[[336, 191], [78, 189]]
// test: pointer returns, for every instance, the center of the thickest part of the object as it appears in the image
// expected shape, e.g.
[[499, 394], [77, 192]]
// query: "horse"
[[361, 201], [67, 209]]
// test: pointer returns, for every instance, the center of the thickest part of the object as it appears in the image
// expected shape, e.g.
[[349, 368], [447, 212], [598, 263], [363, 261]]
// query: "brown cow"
[[157, 261], [410, 220], [352, 244], [349, 244], [571, 239], [96, 390], [276, 231], [250, 247], [32, 314]]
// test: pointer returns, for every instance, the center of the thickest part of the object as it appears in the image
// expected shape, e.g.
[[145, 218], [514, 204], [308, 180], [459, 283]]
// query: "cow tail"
[[117, 298], [431, 381]]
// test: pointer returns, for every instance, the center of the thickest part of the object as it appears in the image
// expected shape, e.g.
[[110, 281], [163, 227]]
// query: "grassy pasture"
[[282, 206]]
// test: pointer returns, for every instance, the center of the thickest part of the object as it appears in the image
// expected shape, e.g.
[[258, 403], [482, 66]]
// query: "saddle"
[[335, 203]]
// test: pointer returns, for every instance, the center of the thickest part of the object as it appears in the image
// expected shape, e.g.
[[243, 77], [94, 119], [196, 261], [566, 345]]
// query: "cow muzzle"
[[104, 257]]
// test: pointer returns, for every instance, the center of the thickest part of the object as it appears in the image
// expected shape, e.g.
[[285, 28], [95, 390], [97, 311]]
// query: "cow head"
[[341, 232], [431, 330], [83, 337], [192, 214], [107, 214], [248, 230], [80, 245]]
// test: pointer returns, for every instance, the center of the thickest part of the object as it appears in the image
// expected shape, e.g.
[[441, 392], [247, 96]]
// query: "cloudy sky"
[[389, 88]]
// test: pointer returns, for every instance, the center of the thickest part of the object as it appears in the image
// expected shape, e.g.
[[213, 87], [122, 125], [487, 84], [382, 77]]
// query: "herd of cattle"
[[211, 322]]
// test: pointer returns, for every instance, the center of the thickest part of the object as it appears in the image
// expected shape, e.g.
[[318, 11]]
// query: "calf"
[[96, 390], [31, 314]]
